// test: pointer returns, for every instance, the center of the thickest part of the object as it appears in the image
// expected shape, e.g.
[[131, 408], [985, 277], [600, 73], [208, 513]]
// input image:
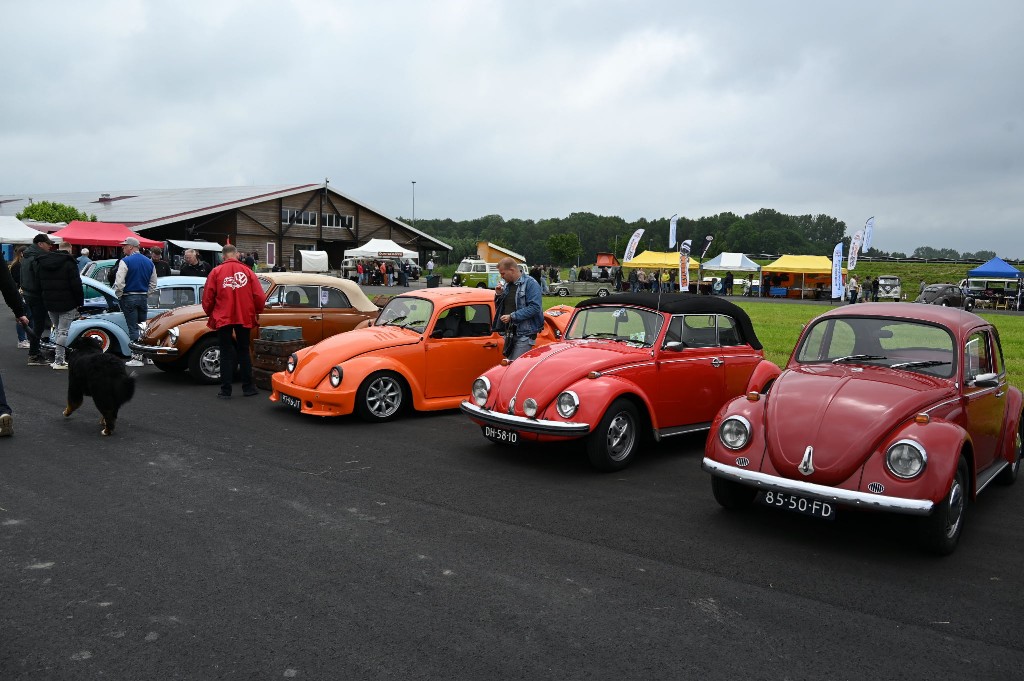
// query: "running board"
[[988, 476], [681, 430]]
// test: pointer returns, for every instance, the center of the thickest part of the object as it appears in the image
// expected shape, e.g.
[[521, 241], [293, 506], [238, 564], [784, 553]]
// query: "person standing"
[[34, 297], [518, 307], [854, 289], [233, 300], [135, 279], [83, 259], [430, 267], [572, 273], [159, 264], [193, 266], [728, 281], [61, 285], [874, 290], [13, 300], [15, 268]]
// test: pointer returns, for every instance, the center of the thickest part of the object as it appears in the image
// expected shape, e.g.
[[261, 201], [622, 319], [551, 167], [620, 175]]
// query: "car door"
[[338, 314], [459, 347], [985, 407], [690, 371], [740, 359], [295, 305]]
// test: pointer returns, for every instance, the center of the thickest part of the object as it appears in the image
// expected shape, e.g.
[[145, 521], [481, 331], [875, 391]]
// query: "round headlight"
[[906, 459], [293, 361], [734, 432], [567, 404], [530, 407], [481, 389], [172, 334], [336, 376]]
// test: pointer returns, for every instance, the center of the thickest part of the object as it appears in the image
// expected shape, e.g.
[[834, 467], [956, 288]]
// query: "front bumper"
[[313, 401], [844, 497], [525, 425], [153, 350]]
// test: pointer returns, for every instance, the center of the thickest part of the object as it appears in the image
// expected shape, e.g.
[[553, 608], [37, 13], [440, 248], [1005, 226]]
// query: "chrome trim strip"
[[153, 350], [824, 492], [521, 423], [683, 430], [991, 475]]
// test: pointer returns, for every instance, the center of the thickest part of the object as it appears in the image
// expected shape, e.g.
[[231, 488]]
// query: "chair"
[[1002, 304]]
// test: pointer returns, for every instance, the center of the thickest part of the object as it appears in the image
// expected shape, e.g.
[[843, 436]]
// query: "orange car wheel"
[[380, 397]]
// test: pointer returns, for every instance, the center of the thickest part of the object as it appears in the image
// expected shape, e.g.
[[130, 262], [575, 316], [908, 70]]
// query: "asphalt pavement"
[[236, 539]]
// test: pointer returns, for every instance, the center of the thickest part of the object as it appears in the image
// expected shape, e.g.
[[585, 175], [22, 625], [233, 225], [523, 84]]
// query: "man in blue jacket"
[[135, 280], [518, 307]]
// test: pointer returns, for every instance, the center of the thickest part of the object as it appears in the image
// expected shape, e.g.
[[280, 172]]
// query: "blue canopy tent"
[[997, 268]]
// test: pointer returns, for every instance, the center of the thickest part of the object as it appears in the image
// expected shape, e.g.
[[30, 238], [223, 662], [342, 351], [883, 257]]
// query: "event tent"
[[14, 231], [816, 265], [658, 259], [101, 234], [381, 248], [996, 268], [733, 262]]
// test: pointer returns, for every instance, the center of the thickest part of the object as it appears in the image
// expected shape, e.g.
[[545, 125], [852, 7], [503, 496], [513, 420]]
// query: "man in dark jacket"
[[193, 266], [58, 277], [159, 264], [13, 300], [34, 297]]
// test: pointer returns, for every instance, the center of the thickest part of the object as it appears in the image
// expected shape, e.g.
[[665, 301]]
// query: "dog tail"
[[125, 389]]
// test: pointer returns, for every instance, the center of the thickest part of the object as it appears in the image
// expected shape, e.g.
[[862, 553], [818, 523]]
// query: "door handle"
[[715, 362], [317, 318], [490, 345]]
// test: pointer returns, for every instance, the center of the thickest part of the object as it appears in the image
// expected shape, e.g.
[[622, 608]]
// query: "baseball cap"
[[130, 241], [41, 238]]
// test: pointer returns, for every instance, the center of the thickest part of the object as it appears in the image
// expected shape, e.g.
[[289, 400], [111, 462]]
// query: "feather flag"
[[672, 231], [855, 244], [684, 266], [631, 246], [838, 290], [869, 230]]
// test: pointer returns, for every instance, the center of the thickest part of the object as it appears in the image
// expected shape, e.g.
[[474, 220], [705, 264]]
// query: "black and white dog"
[[100, 375]]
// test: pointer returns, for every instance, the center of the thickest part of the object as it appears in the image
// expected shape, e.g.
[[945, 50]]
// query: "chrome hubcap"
[[103, 339], [210, 362], [383, 397], [956, 508], [621, 433]]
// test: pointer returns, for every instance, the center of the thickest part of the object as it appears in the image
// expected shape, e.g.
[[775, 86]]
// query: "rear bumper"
[[843, 497], [524, 425]]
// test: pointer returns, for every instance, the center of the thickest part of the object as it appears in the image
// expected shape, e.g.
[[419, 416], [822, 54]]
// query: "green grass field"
[[778, 325]]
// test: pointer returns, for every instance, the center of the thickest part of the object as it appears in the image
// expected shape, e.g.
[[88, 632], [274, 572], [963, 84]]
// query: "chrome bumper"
[[824, 492], [153, 350], [523, 424]]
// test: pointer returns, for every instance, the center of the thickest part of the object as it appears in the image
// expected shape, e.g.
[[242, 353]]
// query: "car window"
[[296, 296], [464, 321], [172, 296], [465, 267], [90, 292], [909, 345], [332, 297], [266, 284], [728, 334], [977, 358], [619, 323], [479, 268]]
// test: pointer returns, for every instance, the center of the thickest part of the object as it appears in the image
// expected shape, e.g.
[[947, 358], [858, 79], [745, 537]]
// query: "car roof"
[[449, 294], [349, 288], [952, 318]]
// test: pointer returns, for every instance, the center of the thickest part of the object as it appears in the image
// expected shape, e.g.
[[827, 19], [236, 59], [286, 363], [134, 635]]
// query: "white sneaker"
[[133, 362], [60, 366], [6, 425], [23, 344]]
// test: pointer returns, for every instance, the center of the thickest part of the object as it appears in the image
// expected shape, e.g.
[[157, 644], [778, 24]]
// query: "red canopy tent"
[[101, 234]]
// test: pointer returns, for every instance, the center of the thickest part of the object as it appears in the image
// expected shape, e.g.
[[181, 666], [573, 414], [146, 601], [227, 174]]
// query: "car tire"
[[969, 304], [381, 397], [941, 530], [563, 293], [602, 293], [103, 336], [614, 442], [481, 285], [732, 495], [1008, 475], [204, 360], [945, 303]]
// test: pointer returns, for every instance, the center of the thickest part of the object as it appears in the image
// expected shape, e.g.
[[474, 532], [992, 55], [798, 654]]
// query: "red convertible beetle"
[[884, 406], [629, 365]]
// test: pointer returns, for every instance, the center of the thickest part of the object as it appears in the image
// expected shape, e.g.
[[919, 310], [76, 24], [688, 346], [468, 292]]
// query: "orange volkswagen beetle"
[[424, 350]]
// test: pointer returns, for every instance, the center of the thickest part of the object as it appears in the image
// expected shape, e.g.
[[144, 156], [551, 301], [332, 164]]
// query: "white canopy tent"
[[14, 231], [381, 248], [314, 261], [197, 245], [732, 262]]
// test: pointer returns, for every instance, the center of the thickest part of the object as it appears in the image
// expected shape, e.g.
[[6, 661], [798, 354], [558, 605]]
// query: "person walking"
[[34, 298], [854, 289], [519, 308], [83, 259], [233, 300], [159, 264], [13, 299], [15, 269], [135, 279], [61, 285], [193, 266]]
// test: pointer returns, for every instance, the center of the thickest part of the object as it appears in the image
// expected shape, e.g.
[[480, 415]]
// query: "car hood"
[[546, 371], [316, 360], [157, 327], [843, 412]]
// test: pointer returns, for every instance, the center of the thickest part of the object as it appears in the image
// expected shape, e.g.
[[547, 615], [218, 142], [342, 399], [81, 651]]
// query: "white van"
[[889, 286], [999, 287]]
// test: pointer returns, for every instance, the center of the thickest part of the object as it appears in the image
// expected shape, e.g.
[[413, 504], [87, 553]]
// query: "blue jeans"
[[22, 334], [521, 345], [135, 310]]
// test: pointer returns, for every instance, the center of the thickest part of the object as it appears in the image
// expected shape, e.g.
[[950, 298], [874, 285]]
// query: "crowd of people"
[[385, 272]]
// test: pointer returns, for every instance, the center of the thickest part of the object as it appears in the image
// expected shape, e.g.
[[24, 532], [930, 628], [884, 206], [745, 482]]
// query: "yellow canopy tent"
[[818, 266], [658, 260]]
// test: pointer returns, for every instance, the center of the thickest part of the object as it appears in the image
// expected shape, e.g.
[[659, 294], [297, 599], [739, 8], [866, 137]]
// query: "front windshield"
[[896, 343], [407, 313], [627, 324], [465, 266]]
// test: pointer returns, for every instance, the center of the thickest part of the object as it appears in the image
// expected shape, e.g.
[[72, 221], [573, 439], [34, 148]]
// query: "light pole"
[[414, 203]]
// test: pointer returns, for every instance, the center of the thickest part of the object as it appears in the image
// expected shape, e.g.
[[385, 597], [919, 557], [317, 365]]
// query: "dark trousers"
[[234, 349], [4, 407], [40, 323]]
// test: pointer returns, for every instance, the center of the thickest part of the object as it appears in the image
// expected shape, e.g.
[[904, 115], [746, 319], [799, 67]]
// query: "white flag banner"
[[855, 245], [838, 290], [631, 246], [672, 231], [684, 266], [869, 230]]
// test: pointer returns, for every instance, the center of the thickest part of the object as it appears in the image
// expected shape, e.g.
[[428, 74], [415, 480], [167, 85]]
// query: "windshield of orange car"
[[613, 322], [407, 313], [896, 343]]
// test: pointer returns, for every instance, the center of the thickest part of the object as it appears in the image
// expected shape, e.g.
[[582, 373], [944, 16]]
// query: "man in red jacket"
[[233, 299]]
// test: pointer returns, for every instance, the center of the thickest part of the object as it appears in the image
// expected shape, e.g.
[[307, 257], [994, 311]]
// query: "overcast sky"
[[909, 111]]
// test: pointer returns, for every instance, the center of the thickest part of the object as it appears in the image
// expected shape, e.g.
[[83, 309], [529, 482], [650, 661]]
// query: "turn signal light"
[[505, 361], [922, 418], [594, 374], [753, 396]]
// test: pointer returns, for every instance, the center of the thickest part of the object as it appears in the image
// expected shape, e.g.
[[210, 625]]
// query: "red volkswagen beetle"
[[629, 365], [891, 407]]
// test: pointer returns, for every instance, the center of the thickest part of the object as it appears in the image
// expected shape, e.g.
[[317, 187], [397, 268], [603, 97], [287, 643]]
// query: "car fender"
[[358, 368], [1014, 406], [117, 334], [597, 394], [763, 376], [943, 442], [753, 412]]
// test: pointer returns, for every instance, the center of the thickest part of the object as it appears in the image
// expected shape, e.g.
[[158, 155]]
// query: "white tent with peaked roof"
[[732, 261], [14, 231], [381, 248]]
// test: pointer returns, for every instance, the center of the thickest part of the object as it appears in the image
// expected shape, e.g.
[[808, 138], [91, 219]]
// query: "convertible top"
[[682, 303]]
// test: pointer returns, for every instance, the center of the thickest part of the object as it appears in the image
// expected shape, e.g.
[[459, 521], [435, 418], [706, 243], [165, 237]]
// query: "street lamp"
[[414, 203]]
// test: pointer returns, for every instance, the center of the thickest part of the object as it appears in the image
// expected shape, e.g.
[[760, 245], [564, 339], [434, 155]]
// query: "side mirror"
[[674, 346], [986, 380]]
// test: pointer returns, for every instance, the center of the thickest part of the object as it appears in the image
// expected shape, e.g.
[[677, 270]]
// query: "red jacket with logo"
[[232, 295]]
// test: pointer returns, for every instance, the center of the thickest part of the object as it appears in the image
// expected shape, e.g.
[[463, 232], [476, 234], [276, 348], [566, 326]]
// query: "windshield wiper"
[[857, 358], [605, 334], [391, 322], [922, 363]]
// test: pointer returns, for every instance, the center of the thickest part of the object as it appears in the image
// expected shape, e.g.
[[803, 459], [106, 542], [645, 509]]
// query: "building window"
[[305, 217], [332, 220]]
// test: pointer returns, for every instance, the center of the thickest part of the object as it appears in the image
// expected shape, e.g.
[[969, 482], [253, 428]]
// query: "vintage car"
[[480, 274], [424, 350], [103, 320], [321, 305], [947, 295], [565, 289], [890, 407], [99, 269], [629, 365], [889, 287]]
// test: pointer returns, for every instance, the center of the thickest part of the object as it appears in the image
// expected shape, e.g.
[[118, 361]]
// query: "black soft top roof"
[[682, 303]]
